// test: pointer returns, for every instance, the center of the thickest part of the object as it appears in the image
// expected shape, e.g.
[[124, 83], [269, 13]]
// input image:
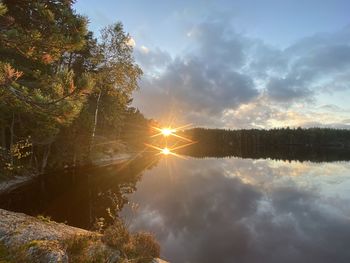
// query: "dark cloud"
[[193, 86], [223, 70], [205, 212], [205, 81], [197, 86], [288, 89], [220, 45], [266, 60], [312, 62]]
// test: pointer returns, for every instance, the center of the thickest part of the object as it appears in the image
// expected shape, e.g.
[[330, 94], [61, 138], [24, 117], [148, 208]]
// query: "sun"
[[169, 131], [166, 131]]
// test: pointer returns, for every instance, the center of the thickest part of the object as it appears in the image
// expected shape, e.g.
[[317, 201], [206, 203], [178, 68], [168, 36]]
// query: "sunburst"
[[169, 131]]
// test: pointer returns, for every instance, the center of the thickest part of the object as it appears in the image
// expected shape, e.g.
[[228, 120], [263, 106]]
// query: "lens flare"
[[169, 131], [165, 151], [166, 131]]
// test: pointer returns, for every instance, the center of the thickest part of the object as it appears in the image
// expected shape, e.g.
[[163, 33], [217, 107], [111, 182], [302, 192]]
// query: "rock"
[[38, 239], [18, 228]]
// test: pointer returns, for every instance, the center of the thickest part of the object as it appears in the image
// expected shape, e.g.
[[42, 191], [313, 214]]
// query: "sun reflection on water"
[[166, 132], [165, 151]]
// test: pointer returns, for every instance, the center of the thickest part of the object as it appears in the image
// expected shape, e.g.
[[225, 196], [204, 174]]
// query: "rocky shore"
[[37, 239]]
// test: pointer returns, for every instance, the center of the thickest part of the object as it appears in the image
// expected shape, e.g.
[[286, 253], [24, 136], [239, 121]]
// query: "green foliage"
[[3, 9], [10, 160], [137, 130], [62, 92], [39, 95], [41, 30]]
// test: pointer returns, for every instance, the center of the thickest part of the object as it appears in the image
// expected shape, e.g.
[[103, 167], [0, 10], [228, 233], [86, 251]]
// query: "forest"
[[65, 94], [312, 144]]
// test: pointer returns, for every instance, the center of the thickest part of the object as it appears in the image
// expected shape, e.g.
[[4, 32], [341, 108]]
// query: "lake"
[[210, 209]]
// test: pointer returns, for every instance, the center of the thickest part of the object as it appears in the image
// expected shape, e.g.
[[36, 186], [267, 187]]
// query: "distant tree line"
[[315, 144], [64, 94]]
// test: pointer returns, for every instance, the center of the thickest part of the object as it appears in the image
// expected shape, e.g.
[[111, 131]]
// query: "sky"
[[237, 64]]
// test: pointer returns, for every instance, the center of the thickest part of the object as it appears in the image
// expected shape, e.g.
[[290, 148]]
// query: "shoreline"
[[38, 239], [11, 183]]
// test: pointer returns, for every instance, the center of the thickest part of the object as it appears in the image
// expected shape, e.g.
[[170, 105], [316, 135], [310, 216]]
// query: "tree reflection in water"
[[80, 197]]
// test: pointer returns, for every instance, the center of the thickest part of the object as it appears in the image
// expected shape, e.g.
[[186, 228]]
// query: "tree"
[[38, 94], [116, 78], [60, 88]]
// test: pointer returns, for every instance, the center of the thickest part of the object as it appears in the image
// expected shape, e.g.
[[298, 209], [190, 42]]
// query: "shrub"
[[116, 235], [89, 249], [77, 244], [142, 247]]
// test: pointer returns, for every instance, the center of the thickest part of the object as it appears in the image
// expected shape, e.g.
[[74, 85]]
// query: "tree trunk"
[[45, 158], [32, 156], [12, 137], [95, 121], [75, 158], [70, 61]]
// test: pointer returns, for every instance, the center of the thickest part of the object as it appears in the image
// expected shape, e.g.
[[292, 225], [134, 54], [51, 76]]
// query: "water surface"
[[211, 209], [243, 210]]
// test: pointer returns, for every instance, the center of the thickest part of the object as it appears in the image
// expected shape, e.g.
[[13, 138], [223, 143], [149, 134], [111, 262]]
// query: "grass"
[[5, 255], [76, 247], [43, 218], [141, 247], [87, 249], [116, 235], [12, 255]]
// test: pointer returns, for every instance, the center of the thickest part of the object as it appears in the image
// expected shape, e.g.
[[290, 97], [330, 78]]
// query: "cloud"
[[204, 82], [152, 59], [265, 60], [288, 89], [223, 71], [315, 64], [194, 87], [219, 44]]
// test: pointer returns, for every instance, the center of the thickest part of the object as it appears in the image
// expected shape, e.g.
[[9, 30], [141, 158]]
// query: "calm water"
[[210, 210]]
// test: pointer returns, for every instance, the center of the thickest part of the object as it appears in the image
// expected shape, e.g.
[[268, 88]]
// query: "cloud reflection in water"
[[234, 210]]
